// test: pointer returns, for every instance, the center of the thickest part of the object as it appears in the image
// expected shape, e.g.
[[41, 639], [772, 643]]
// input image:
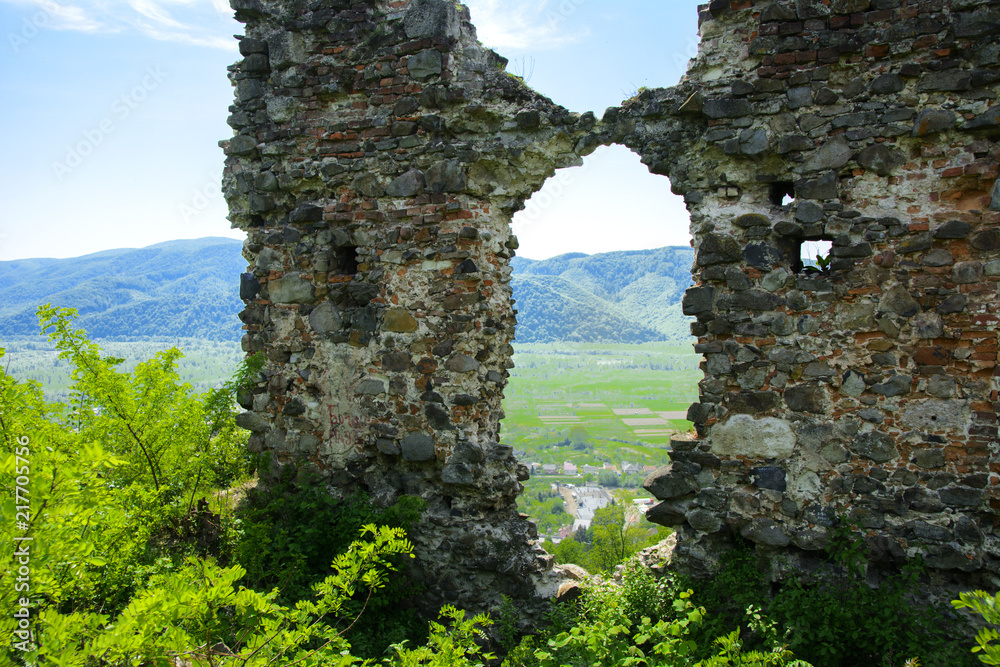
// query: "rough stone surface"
[[761, 438], [379, 152]]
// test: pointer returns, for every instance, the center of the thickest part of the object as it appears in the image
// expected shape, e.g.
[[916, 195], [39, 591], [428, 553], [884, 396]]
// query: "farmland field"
[[594, 403]]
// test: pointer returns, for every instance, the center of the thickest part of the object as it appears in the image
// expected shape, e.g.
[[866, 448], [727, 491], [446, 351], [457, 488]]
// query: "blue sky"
[[114, 108]]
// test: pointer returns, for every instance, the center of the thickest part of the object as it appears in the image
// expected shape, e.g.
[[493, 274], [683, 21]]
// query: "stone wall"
[[865, 391], [380, 151]]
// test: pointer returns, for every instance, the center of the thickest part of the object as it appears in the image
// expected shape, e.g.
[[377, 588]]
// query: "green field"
[[594, 403], [206, 363], [561, 401]]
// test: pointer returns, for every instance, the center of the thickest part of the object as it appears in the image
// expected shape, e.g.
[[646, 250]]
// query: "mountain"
[[190, 288], [624, 296], [187, 288]]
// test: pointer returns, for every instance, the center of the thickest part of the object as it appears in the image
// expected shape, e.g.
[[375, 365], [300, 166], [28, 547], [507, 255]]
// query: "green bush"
[[287, 535]]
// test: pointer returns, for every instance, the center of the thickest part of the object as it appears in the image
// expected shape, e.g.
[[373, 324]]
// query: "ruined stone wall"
[[380, 151], [865, 391], [378, 155]]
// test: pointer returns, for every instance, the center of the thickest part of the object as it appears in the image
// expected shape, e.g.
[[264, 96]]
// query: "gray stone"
[[719, 249], [281, 109], [824, 187], [251, 421], [438, 417], [945, 80], [753, 141], [458, 473], [916, 243], [995, 196], [834, 453], [726, 107], [897, 385], [462, 363], [417, 447], [886, 84], [931, 414], [856, 316], [928, 531], [938, 257], [387, 447], [368, 185], [967, 272], [880, 159], [853, 384], [808, 212], [953, 229], [874, 445], [249, 286], [410, 184], [446, 176], [806, 398], [929, 458], [898, 300], [794, 142], [291, 288], [432, 18], [371, 387], [242, 144], [765, 437], [718, 364], [765, 532], [801, 96], [467, 452], [703, 520], [959, 496], [932, 121], [768, 477], [667, 513], [941, 386], [666, 484], [698, 300], [987, 241], [775, 280], [325, 318], [833, 154], [927, 325]]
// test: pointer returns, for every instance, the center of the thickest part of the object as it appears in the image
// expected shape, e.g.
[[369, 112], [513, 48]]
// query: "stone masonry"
[[380, 151]]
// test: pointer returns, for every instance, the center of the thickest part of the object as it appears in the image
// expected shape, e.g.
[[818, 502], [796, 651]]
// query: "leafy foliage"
[[987, 606]]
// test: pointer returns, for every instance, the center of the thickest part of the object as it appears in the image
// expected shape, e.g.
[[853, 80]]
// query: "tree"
[[608, 478]]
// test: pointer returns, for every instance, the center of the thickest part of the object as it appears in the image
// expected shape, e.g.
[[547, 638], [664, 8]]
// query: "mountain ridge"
[[190, 288]]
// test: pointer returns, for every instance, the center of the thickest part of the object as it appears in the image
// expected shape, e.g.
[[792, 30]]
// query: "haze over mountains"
[[189, 288]]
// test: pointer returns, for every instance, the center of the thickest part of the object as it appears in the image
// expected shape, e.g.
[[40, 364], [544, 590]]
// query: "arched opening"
[[604, 366]]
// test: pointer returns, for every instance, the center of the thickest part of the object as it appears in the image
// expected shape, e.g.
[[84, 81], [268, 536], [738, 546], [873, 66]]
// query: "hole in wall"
[[813, 255], [782, 193], [604, 366]]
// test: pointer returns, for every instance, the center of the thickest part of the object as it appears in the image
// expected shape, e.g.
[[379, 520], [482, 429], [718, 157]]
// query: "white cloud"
[[526, 24], [198, 22]]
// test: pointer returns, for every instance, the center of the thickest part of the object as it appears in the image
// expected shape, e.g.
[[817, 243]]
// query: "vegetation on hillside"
[[118, 522]]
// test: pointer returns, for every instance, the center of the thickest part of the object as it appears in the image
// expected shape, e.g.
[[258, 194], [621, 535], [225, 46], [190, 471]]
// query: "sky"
[[113, 110]]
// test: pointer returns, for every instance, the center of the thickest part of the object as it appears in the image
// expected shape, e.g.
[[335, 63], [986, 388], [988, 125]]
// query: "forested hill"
[[190, 289], [633, 296], [186, 288]]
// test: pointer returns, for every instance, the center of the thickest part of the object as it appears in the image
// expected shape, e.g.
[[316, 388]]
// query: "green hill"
[[187, 288], [190, 289], [643, 287]]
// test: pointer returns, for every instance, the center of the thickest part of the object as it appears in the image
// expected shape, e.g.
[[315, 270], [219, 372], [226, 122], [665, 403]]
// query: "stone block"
[[760, 438]]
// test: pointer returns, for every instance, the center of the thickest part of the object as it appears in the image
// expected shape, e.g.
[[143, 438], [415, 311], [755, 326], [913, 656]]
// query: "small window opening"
[[344, 261], [782, 193], [813, 256]]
